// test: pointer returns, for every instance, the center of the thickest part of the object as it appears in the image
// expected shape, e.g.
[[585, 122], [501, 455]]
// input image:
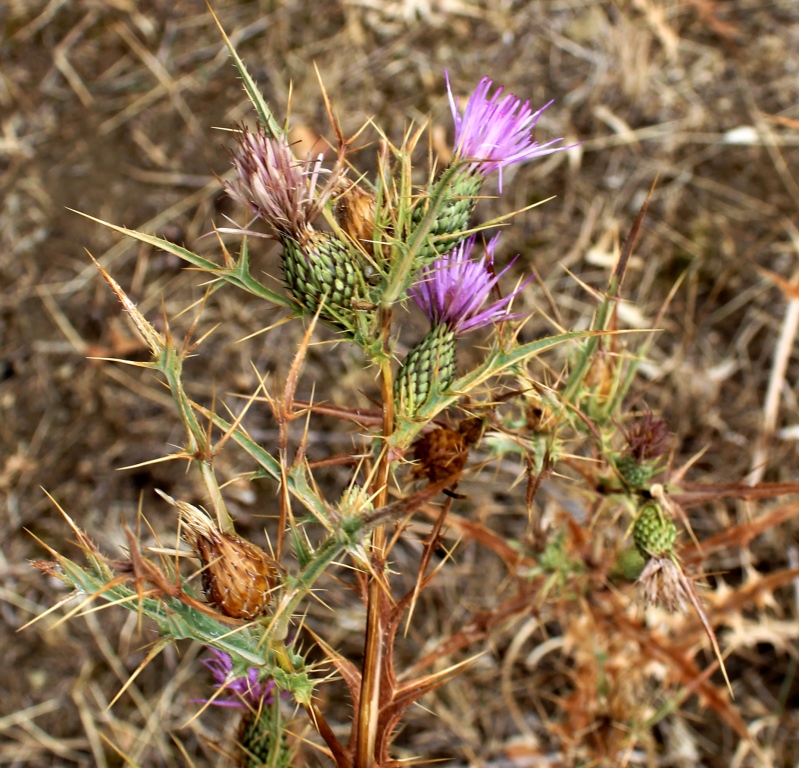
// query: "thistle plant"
[[353, 253]]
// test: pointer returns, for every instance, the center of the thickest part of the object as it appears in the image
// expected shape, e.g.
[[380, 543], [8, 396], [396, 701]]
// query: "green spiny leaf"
[[253, 92], [238, 276]]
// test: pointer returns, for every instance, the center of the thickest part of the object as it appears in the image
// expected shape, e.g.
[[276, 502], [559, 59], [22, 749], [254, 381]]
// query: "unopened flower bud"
[[428, 368], [654, 531]]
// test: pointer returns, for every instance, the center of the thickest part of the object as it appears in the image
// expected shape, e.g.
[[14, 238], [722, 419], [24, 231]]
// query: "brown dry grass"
[[108, 108]]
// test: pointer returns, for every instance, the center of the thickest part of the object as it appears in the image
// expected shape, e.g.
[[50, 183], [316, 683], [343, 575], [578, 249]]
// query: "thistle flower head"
[[647, 438], [495, 130], [245, 691], [453, 290], [275, 185], [238, 576], [662, 582]]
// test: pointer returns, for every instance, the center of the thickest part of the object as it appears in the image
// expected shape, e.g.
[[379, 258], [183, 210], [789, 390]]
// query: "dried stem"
[[369, 701]]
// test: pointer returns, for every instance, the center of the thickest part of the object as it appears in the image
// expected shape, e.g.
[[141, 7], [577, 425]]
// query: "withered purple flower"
[[274, 184], [647, 438], [287, 194], [241, 692], [453, 290], [495, 130]]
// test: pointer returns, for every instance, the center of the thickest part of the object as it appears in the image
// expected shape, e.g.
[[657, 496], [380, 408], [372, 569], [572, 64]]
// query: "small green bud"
[[634, 474], [654, 531], [429, 367], [629, 564]]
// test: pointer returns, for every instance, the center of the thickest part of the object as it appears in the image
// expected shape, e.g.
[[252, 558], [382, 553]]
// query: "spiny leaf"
[[238, 275], [256, 97]]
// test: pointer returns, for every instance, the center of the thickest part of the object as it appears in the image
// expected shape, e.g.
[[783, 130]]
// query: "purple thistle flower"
[[496, 132], [274, 185], [240, 692], [454, 288]]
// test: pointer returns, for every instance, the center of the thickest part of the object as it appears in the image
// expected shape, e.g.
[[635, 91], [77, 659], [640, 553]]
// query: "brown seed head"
[[238, 576], [440, 453], [355, 213]]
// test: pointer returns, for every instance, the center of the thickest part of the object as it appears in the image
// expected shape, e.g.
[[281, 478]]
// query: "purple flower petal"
[[453, 290], [273, 184], [241, 692], [495, 131]]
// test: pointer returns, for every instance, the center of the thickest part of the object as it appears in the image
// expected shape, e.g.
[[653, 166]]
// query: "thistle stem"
[[369, 702], [198, 442]]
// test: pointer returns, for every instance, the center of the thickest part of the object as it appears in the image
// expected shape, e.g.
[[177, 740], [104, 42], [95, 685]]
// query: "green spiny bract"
[[452, 220], [320, 266], [629, 564], [654, 531], [262, 740], [429, 365], [634, 474]]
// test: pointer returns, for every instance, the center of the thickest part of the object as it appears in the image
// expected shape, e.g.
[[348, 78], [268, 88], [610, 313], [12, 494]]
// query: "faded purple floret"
[[647, 438], [496, 132], [454, 288], [241, 692], [273, 184]]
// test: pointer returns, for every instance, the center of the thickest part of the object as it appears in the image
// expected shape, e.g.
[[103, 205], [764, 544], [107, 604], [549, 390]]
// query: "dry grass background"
[[110, 108]]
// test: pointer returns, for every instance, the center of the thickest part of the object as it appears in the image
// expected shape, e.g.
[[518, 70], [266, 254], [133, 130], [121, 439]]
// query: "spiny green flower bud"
[[453, 218], [635, 475], [629, 564], [285, 193], [320, 265], [429, 366], [647, 440], [262, 740], [654, 531]]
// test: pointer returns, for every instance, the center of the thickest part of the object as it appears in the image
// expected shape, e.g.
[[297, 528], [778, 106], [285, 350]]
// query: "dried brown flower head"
[[238, 576], [444, 451], [355, 213], [662, 582]]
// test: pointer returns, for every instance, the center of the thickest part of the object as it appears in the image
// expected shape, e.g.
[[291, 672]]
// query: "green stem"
[[401, 273], [197, 446]]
